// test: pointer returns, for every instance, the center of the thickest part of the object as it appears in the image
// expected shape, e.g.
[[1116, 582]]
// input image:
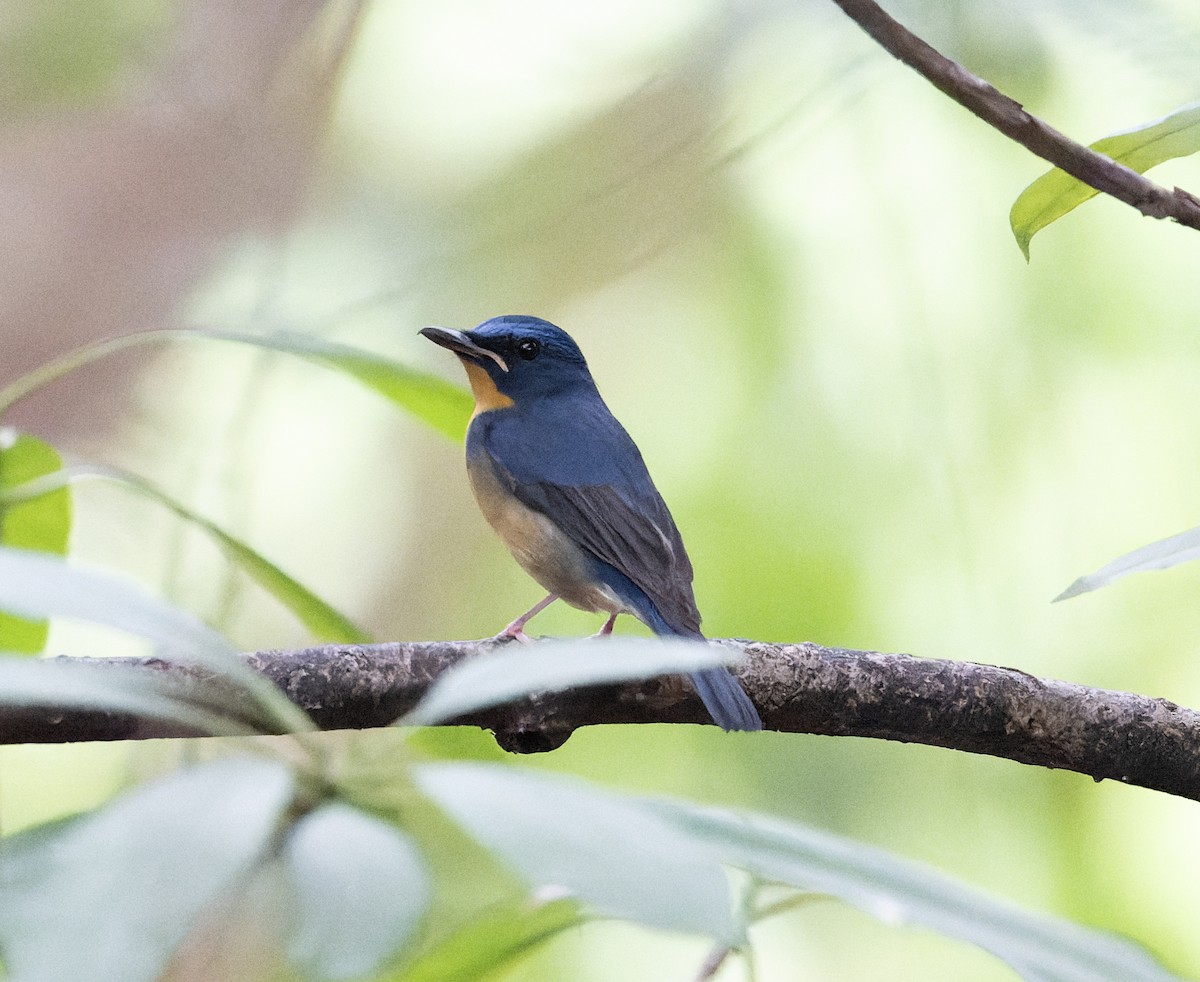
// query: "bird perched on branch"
[[565, 487]]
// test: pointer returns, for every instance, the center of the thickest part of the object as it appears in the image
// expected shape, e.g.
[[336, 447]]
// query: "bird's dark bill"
[[461, 344]]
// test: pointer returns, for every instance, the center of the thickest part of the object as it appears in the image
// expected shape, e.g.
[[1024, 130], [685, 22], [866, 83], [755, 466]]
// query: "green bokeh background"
[[788, 262]]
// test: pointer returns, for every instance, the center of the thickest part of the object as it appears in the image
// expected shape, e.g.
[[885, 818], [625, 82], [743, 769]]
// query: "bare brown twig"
[[1010, 118], [798, 688]]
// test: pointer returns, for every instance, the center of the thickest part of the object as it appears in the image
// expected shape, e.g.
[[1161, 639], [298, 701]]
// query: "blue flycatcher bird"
[[565, 487]]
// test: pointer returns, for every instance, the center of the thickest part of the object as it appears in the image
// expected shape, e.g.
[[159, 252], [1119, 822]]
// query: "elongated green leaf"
[[444, 406], [360, 889], [511, 673], [1163, 554], [493, 941], [324, 621], [1056, 192], [42, 525], [1040, 948], [612, 852], [36, 585], [108, 688], [112, 895]]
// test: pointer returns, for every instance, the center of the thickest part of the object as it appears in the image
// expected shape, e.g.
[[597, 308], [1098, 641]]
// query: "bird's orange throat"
[[487, 396]]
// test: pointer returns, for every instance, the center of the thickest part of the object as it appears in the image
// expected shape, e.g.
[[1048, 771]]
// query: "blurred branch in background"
[[798, 688], [113, 212], [1009, 117]]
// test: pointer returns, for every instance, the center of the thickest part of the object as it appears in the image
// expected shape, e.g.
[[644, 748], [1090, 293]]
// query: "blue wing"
[[581, 469]]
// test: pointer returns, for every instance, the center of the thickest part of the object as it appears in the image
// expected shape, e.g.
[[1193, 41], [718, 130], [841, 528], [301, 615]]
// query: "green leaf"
[[42, 525], [323, 620], [113, 894], [1163, 554], [444, 406], [507, 674], [114, 688], [360, 890], [1039, 948], [612, 852], [37, 585], [1056, 192], [493, 941]]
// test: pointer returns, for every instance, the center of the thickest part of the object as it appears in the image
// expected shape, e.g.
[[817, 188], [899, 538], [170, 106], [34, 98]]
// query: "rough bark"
[[798, 688]]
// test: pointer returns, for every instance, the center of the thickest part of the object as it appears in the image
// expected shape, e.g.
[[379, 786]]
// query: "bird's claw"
[[607, 629]]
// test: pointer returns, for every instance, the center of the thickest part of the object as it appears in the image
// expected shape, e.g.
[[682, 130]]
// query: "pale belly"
[[544, 552]]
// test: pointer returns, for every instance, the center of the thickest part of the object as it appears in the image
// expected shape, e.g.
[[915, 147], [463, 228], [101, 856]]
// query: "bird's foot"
[[605, 631], [517, 628]]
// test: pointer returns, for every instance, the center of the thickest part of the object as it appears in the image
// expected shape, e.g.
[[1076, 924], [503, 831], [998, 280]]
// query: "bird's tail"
[[726, 700], [721, 693]]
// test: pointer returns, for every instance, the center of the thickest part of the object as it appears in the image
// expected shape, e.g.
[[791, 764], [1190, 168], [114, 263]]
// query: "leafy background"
[[788, 261]]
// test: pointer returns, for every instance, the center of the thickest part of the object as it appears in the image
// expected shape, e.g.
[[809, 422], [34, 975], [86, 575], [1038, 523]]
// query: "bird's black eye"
[[528, 349]]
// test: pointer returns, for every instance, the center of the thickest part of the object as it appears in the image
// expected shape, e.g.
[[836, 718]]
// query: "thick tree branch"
[[1010, 118], [798, 688]]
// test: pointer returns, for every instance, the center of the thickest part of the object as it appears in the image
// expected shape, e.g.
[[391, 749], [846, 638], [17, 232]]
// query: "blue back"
[[561, 451]]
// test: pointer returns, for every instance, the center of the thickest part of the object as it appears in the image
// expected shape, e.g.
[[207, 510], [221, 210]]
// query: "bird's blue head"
[[514, 358]]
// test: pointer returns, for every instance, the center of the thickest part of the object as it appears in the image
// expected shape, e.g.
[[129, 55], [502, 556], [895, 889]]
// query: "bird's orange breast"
[[487, 396]]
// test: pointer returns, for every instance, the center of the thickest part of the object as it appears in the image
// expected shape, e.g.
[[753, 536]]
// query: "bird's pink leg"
[[517, 628], [605, 631]]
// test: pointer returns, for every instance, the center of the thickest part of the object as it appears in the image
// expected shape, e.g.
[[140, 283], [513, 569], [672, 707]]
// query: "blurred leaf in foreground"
[[653, 862], [610, 851], [36, 585], [897, 891], [519, 670], [111, 688], [113, 894], [360, 890]]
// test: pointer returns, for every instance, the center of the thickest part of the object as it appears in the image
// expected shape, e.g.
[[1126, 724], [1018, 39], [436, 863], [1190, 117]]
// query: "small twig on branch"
[[1010, 118], [798, 688]]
